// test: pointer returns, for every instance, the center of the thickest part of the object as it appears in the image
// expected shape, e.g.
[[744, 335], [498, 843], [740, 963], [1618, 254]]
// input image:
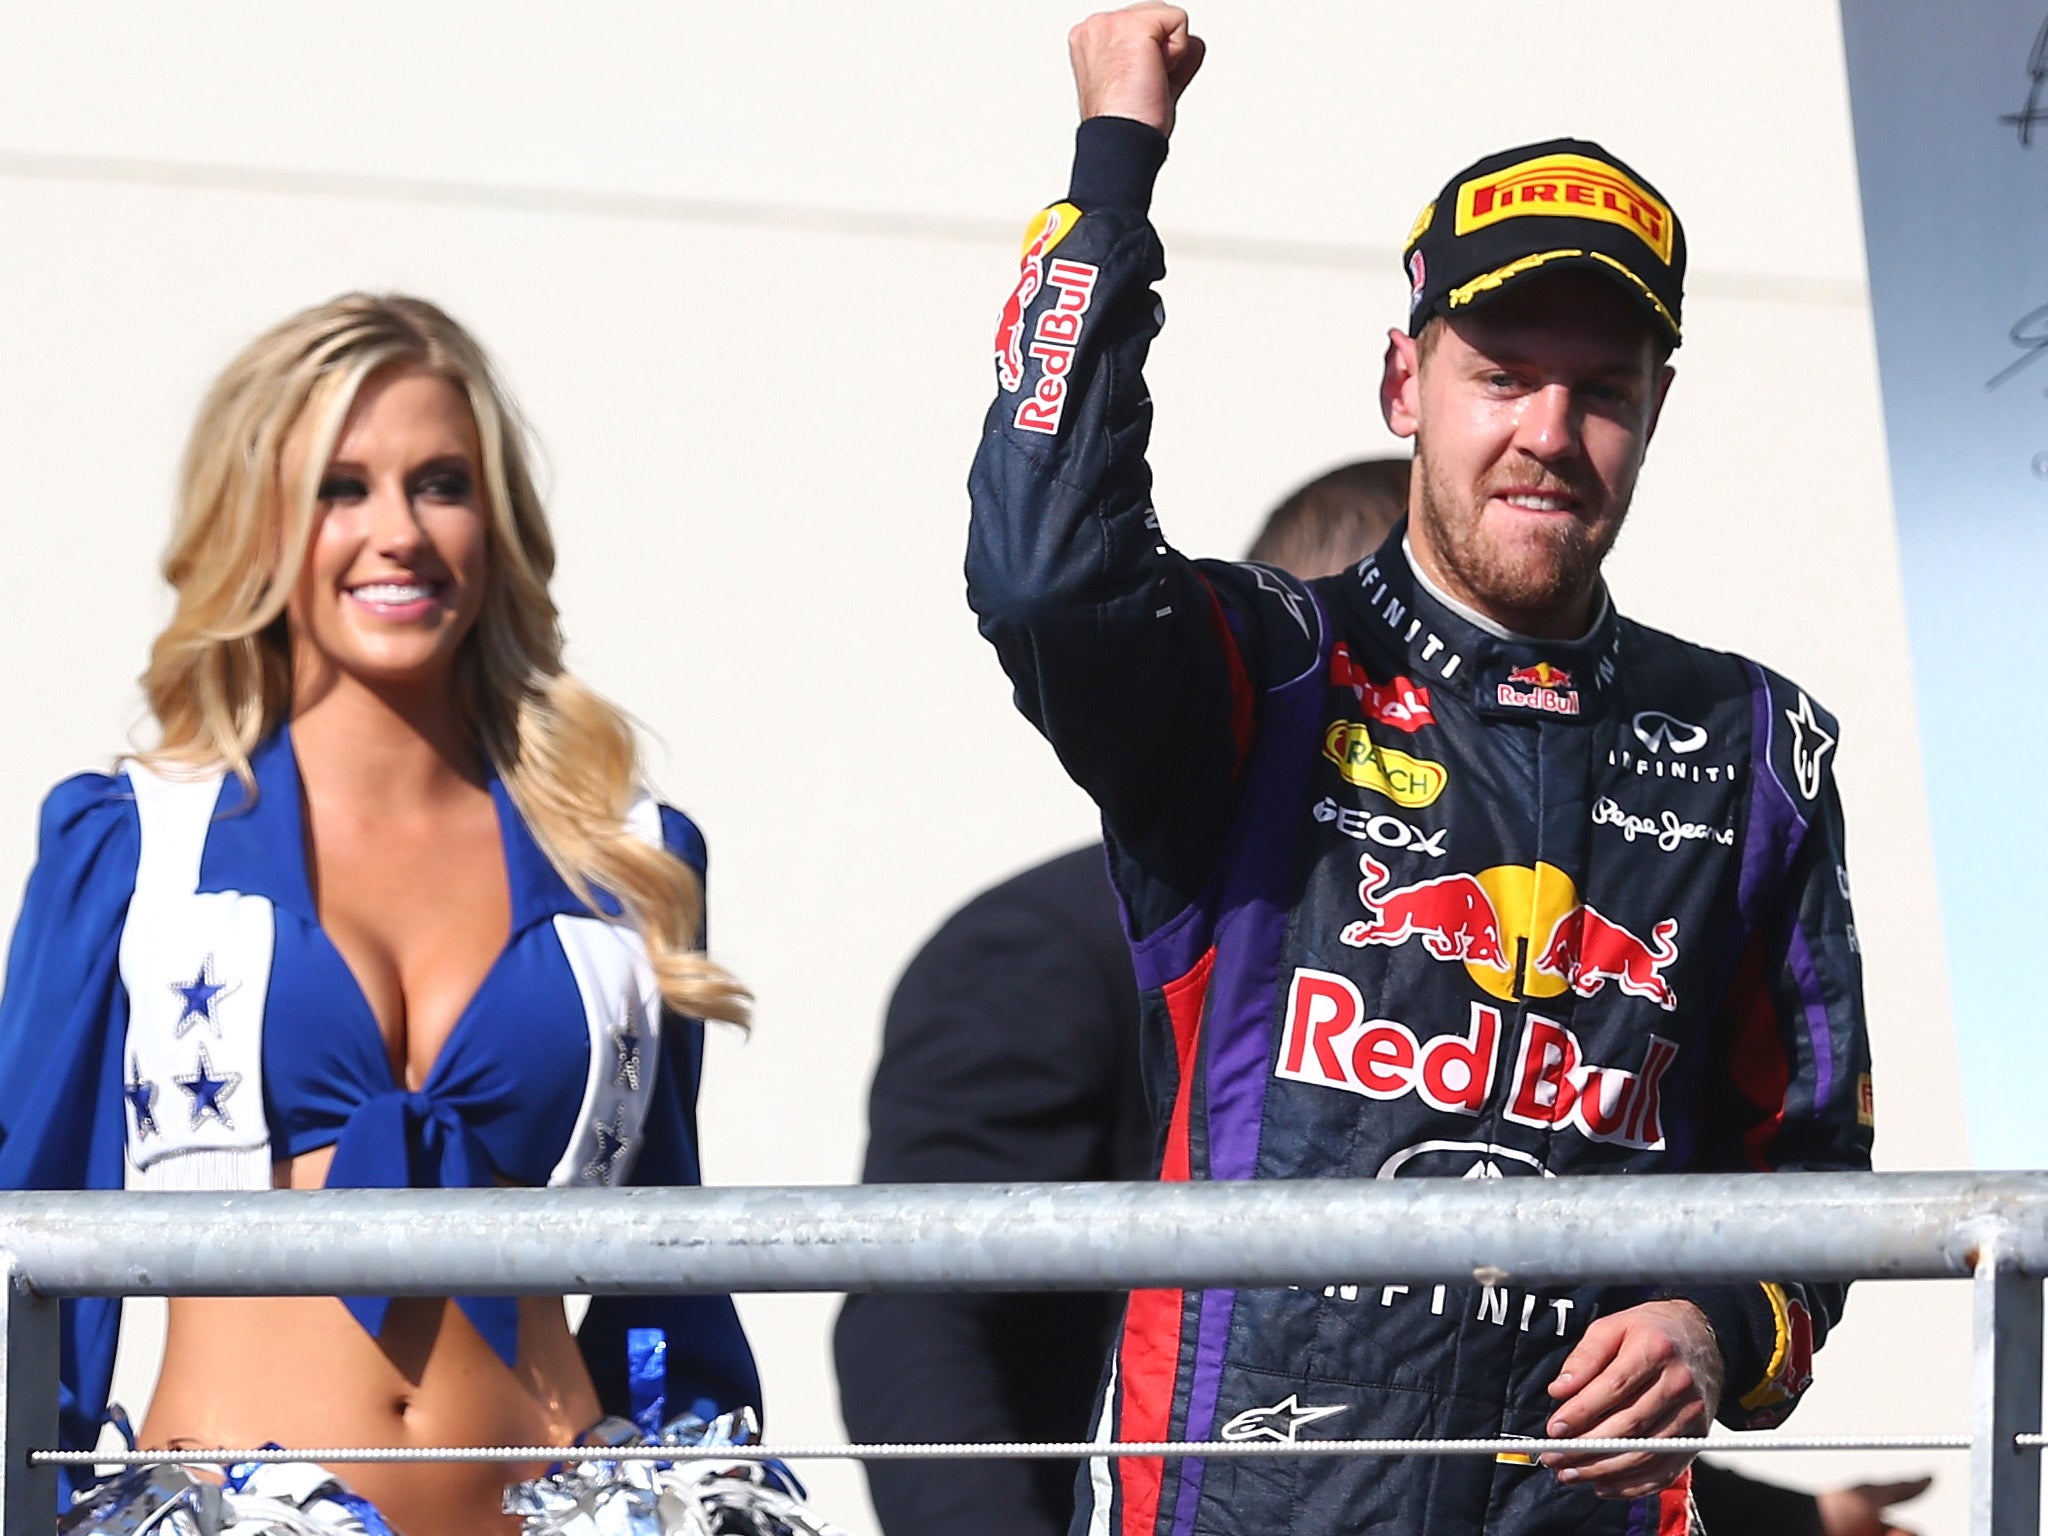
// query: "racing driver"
[[1438, 867]]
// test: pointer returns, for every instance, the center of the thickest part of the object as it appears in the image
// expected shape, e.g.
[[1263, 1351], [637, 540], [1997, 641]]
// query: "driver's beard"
[[1515, 586]]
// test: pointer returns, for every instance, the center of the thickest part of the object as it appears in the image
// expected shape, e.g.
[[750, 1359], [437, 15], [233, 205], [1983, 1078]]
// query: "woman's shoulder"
[[87, 811], [88, 846], [656, 821], [682, 837]]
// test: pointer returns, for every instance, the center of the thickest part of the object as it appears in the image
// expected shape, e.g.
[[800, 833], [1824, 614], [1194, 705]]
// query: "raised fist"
[[1134, 62]]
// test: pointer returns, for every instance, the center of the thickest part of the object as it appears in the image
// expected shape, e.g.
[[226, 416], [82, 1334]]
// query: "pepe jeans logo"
[[1665, 829]]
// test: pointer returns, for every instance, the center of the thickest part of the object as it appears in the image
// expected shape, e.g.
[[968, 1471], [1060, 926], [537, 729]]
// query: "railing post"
[[2005, 1399], [28, 1404]]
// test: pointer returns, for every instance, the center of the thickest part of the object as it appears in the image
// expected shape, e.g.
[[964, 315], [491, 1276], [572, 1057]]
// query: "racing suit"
[[1408, 896]]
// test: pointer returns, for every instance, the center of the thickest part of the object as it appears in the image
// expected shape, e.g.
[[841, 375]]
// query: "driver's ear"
[[1400, 380], [1665, 374]]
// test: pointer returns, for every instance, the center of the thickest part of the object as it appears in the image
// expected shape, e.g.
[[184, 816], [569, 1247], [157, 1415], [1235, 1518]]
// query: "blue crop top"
[[176, 1017]]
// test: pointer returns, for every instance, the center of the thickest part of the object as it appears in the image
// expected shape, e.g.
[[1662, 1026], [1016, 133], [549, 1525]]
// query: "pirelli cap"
[[1563, 203]]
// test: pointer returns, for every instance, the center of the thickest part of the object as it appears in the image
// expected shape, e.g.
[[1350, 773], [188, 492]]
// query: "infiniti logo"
[[1657, 730]]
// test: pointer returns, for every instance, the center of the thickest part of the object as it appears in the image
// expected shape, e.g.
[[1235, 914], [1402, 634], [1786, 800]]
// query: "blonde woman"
[[386, 906]]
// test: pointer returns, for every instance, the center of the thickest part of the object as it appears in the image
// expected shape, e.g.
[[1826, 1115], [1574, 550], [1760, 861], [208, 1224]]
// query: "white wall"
[[742, 263]]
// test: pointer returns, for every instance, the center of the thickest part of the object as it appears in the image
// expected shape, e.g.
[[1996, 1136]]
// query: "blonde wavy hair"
[[220, 675]]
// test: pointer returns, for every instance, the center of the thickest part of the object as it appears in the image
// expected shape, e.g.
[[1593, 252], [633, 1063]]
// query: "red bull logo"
[[1453, 916], [1519, 930], [1545, 687], [1396, 702], [1588, 951], [1046, 231], [1328, 1040]]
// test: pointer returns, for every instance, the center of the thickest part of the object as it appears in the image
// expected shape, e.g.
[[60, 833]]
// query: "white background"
[[741, 264]]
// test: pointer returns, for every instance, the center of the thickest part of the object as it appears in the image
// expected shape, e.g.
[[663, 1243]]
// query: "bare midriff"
[[301, 1371]]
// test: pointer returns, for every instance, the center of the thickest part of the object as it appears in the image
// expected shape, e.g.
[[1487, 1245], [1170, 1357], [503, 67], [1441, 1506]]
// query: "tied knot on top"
[[406, 1139]]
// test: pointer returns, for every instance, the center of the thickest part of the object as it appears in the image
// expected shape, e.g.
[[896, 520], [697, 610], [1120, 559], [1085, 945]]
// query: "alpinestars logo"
[[1810, 744], [1283, 1421]]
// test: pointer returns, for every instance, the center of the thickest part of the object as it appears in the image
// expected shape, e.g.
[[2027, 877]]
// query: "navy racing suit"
[[1409, 896]]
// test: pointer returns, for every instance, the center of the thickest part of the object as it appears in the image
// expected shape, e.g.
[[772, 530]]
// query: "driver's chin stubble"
[[1554, 565]]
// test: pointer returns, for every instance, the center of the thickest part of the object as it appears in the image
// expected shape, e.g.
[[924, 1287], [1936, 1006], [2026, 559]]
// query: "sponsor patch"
[[1463, 1160], [1525, 1311], [1046, 230], [1410, 781], [1491, 920], [1396, 702], [1327, 1040], [1282, 1422], [1660, 732], [1546, 688], [1388, 831], [1566, 186], [1053, 340], [1810, 744], [1791, 1369], [1422, 222], [1587, 951], [1666, 828], [1556, 1086]]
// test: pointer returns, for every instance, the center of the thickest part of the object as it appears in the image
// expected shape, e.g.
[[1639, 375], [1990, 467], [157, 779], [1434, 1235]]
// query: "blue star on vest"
[[198, 998], [626, 1041], [208, 1091], [142, 1099], [612, 1140]]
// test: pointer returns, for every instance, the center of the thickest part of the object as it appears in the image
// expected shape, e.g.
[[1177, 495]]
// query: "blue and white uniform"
[[176, 1018]]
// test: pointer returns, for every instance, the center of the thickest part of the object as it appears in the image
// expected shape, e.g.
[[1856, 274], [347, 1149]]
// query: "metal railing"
[[1991, 1228]]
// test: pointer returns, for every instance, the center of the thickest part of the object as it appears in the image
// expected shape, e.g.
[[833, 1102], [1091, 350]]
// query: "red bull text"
[[1053, 341], [1556, 1086], [1327, 1040], [1547, 688]]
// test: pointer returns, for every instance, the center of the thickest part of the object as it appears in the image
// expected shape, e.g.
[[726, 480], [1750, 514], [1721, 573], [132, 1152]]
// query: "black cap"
[[1563, 203]]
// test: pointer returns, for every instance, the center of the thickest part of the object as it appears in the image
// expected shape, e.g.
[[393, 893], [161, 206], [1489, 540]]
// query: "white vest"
[[197, 970]]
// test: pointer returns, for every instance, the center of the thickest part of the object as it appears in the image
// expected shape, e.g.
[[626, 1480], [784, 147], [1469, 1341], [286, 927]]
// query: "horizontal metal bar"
[[1025, 1236], [1069, 1450]]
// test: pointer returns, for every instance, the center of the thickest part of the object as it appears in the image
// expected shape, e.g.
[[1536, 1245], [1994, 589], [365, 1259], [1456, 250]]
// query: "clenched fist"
[[1134, 62]]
